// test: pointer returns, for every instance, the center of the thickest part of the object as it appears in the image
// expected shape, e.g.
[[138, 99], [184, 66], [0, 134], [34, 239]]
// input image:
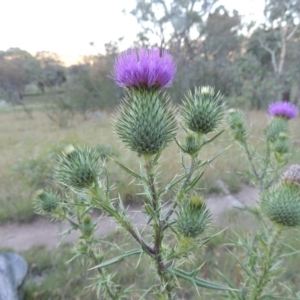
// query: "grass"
[[28, 149], [51, 278]]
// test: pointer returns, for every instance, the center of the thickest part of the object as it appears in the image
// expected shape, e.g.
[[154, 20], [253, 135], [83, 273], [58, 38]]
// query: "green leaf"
[[171, 185], [208, 239], [118, 259], [269, 297], [179, 145], [191, 277], [129, 171], [234, 293], [193, 182], [213, 138], [290, 254]]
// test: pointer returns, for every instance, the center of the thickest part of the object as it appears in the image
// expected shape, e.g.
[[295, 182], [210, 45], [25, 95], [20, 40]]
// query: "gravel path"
[[43, 232]]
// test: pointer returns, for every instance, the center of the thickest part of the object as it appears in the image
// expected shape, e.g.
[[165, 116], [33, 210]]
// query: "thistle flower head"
[[77, 168], [203, 110], [283, 109], [144, 68], [193, 217], [45, 202], [145, 121], [281, 204]]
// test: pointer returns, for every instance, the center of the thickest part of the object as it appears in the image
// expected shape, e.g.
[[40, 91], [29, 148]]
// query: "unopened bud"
[[46, 202], [193, 217], [281, 203], [191, 145], [203, 110]]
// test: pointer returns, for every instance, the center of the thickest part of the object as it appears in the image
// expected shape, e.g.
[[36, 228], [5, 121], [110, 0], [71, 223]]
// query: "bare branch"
[[273, 56], [292, 32]]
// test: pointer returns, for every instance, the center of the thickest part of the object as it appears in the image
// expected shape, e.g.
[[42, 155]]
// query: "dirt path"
[[43, 232]]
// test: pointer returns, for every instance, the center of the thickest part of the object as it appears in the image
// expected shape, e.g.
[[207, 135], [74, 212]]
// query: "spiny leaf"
[[129, 171], [190, 276], [117, 259]]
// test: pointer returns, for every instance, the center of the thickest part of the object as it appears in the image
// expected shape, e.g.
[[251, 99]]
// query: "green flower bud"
[[145, 121], [203, 110], [78, 168], [276, 128], [281, 145], [192, 145], [87, 227], [193, 217], [185, 245], [281, 204], [237, 124], [46, 202]]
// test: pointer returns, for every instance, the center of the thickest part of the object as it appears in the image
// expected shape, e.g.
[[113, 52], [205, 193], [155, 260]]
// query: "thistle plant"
[[279, 205], [264, 168], [146, 122]]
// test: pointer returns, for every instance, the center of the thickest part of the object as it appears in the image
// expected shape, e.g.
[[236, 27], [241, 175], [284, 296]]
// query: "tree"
[[18, 68], [53, 73], [281, 25], [172, 22]]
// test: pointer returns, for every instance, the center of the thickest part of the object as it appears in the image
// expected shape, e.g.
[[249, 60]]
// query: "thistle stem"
[[158, 228], [250, 159], [268, 261], [122, 220]]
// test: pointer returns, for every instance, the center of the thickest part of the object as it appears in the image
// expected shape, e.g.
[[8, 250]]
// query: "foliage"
[[278, 203]]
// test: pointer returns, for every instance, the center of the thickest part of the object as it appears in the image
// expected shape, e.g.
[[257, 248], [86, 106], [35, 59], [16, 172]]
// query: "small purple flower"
[[283, 109], [144, 68]]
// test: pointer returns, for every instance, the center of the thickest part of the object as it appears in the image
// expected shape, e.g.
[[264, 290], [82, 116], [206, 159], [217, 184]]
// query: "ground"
[[43, 232]]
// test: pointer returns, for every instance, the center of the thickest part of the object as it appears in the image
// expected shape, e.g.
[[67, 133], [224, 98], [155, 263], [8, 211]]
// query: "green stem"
[[268, 261], [266, 165], [158, 228], [101, 272], [106, 205], [90, 253], [250, 159]]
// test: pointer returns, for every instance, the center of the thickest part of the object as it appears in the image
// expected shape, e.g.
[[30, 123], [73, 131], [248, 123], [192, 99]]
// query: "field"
[[28, 150]]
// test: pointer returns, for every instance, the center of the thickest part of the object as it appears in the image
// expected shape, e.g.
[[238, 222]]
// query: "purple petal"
[[144, 68], [283, 109]]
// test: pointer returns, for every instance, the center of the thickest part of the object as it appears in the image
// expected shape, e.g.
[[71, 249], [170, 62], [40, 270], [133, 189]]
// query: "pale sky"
[[67, 27]]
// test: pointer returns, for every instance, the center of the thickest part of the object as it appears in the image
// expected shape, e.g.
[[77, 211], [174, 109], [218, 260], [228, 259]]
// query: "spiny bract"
[[203, 110], [78, 168], [145, 122], [281, 204], [193, 217], [237, 124]]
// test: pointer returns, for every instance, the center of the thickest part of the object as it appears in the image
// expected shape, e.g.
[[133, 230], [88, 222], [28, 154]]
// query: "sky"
[[67, 27]]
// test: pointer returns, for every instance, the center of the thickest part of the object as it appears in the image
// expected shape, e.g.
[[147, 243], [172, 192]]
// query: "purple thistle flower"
[[144, 68], [283, 109]]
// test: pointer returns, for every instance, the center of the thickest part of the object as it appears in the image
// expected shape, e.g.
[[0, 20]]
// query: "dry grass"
[[22, 139]]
